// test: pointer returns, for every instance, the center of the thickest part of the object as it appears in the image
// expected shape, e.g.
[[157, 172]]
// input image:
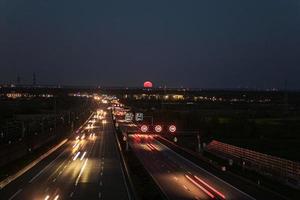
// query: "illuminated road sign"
[[172, 128], [158, 128], [128, 117], [139, 117], [144, 128]]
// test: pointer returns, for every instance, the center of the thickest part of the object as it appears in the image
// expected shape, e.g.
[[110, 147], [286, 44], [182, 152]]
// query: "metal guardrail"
[[132, 193], [284, 167], [13, 177]]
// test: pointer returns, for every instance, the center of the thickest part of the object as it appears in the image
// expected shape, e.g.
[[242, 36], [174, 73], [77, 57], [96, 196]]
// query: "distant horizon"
[[11, 85]]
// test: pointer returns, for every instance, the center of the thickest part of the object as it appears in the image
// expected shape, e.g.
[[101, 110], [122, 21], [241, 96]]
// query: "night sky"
[[189, 43]]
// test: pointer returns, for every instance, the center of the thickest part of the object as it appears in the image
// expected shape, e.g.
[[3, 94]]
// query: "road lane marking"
[[188, 161], [44, 169], [100, 183], [71, 194], [99, 195], [56, 197], [81, 171], [14, 195], [185, 187]]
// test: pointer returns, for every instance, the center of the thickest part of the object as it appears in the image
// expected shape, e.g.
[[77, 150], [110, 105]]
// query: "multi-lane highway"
[[177, 177], [87, 166]]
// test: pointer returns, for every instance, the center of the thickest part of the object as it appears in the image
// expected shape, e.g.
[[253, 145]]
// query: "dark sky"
[[190, 43]]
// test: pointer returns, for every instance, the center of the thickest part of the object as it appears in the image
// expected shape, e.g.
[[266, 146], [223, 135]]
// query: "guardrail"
[[262, 162], [131, 193], [13, 177]]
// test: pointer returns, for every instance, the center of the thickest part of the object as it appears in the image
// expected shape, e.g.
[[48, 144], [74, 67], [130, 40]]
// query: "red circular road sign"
[[144, 128], [158, 128], [172, 128]]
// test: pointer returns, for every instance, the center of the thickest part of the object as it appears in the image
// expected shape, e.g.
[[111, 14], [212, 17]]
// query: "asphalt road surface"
[[86, 167], [179, 178]]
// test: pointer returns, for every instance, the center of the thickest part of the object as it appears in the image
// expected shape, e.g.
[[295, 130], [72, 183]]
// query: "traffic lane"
[[187, 167], [103, 178], [47, 163], [86, 186], [39, 184], [170, 180], [14, 188], [65, 185], [113, 176]]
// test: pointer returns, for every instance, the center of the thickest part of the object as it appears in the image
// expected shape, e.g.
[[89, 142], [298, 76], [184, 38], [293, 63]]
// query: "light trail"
[[210, 187], [199, 186], [83, 155], [76, 156], [56, 197], [81, 171]]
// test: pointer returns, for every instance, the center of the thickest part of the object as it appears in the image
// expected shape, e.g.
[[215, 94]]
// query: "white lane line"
[[228, 184], [99, 195], [83, 155], [9, 179], [100, 183], [76, 156], [185, 187], [14, 195], [56, 197], [81, 171], [42, 171], [71, 194]]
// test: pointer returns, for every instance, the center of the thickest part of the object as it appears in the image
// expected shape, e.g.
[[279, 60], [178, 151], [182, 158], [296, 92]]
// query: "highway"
[[87, 166], [177, 177]]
